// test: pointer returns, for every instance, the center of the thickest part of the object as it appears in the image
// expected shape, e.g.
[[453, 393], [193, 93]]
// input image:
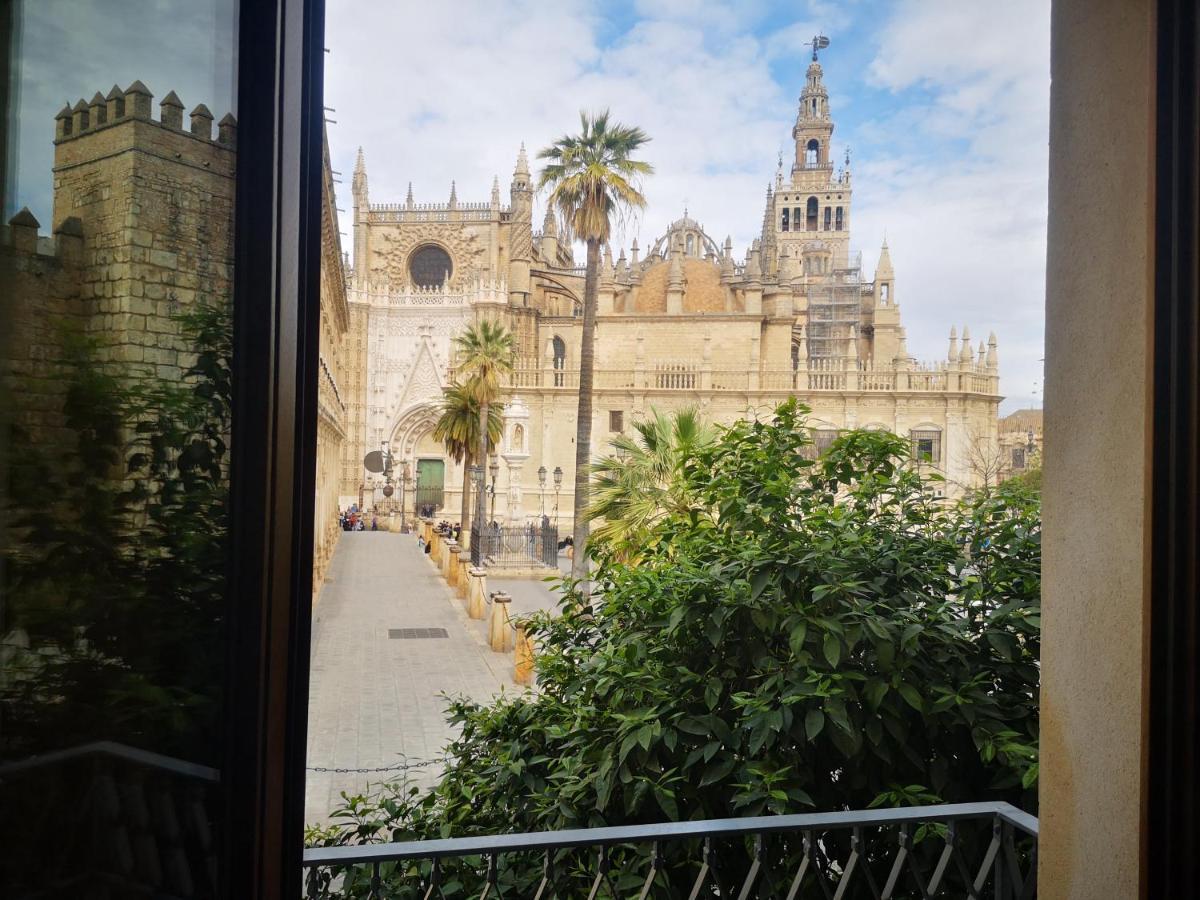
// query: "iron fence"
[[514, 546], [966, 850]]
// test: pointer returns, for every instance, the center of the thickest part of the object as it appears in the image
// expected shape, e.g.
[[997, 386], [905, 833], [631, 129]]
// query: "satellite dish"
[[373, 461]]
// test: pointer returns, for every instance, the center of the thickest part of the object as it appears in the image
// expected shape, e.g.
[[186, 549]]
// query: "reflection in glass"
[[117, 266]]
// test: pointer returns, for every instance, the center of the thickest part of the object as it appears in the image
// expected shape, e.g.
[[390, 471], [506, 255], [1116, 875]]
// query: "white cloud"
[[967, 228], [951, 125]]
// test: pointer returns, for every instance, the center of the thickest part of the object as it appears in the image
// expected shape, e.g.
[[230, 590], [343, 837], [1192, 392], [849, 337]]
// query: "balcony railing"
[[816, 376], [968, 850]]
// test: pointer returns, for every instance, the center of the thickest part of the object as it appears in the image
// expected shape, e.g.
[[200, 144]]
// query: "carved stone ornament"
[[391, 259]]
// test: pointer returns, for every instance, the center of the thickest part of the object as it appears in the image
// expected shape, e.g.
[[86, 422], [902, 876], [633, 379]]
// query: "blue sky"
[[943, 102]]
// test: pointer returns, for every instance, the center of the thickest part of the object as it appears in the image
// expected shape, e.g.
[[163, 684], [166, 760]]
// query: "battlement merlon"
[[125, 119], [20, 236]]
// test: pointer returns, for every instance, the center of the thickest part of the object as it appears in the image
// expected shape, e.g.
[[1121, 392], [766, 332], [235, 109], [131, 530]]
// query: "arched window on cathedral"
[[828, 217], [560, 360], [814, 106], [811, 152], [691, 245], [811, 218], [784, 224], [839, 220]]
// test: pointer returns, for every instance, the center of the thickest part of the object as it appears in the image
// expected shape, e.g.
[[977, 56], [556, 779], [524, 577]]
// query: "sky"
[[944, 105]]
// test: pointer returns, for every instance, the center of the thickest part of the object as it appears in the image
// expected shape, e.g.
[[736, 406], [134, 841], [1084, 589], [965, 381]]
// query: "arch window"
[[430, 266], [839, 219], [560, 360], [812, 150], [811, 217], [828, 217], [784, 223], [884, 293], [926, 445], [691, 245]]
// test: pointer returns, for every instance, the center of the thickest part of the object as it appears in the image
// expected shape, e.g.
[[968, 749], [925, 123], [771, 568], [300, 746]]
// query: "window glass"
[[115, 403]]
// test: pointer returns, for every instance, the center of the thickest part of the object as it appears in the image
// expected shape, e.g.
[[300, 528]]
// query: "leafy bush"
[[807, 635], [115, 555]]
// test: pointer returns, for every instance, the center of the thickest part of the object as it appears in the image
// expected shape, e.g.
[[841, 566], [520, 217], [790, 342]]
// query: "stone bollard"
[[449, 552], [435, 539], [500, 631], [523, 658], [476, 591], [464, 567], [427, 530]]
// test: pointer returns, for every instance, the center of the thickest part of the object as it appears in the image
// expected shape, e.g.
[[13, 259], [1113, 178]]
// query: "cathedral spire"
[[814, 125], [522, 163], [358, 184], [453, 196], [495, 191], [408, 200]]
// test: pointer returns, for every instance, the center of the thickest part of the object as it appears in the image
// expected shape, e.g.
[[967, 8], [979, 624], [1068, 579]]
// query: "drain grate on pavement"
[[409, 634]]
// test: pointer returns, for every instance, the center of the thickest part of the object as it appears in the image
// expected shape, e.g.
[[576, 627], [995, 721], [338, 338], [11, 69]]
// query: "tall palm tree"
[[458, 431], [593, 177], [641, 482], [487, 350]]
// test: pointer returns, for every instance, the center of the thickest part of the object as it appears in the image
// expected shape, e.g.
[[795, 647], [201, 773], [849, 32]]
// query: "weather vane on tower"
[[819, 42]]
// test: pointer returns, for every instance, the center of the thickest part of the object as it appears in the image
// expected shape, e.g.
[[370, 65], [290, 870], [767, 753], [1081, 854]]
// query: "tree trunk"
[[465, 515], [480, 493], [583, 419]]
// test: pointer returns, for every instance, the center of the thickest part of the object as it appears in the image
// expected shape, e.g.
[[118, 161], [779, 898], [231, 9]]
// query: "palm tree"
[[592, 177], [486, 350], [458, 430], [642, 482]]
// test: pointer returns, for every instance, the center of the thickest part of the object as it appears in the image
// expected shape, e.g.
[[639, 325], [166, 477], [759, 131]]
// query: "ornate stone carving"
[[466, 251]]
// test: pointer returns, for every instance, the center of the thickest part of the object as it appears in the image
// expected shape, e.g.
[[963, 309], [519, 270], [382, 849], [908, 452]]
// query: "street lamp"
[[558, 477], [494, 471], [542, 488]]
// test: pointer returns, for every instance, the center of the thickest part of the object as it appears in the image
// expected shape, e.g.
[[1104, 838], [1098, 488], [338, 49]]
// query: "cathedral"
[[681, 322]]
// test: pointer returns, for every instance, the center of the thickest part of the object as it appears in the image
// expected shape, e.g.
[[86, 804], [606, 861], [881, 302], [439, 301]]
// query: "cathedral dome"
[[702, 288]]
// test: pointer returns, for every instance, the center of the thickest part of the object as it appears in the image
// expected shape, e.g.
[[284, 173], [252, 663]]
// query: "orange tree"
[[802, 635]]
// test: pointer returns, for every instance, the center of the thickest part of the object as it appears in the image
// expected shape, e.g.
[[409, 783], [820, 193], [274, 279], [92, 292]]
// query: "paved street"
[[375, 700]]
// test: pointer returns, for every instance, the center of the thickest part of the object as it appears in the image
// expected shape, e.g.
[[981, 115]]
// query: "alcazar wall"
[[143, 228]]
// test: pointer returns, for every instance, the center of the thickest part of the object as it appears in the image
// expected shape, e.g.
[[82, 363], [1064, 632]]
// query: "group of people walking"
[[353, 520]]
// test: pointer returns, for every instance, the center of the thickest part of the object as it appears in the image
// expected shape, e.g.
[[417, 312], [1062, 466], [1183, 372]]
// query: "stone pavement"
[[375, 700]]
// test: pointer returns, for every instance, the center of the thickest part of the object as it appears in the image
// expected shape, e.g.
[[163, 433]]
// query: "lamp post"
[[405, 474], [388, 490], [542, 488], [494, 471], [558, 478]]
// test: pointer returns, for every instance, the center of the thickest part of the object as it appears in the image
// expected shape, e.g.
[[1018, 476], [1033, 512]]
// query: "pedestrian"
[[374, 524]]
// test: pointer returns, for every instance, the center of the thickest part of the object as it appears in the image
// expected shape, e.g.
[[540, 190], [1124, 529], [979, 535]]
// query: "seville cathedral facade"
[[681, 323]]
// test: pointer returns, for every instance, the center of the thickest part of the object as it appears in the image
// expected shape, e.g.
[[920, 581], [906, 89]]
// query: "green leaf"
[[796, 639], [759, 584], [718, 770], [833, 649], [875, 691], [814, 721], [911, 696]]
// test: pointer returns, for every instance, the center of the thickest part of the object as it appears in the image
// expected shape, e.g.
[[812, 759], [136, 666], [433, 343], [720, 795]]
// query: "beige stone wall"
[[156, 207], [332, 389], [1096, 467]]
